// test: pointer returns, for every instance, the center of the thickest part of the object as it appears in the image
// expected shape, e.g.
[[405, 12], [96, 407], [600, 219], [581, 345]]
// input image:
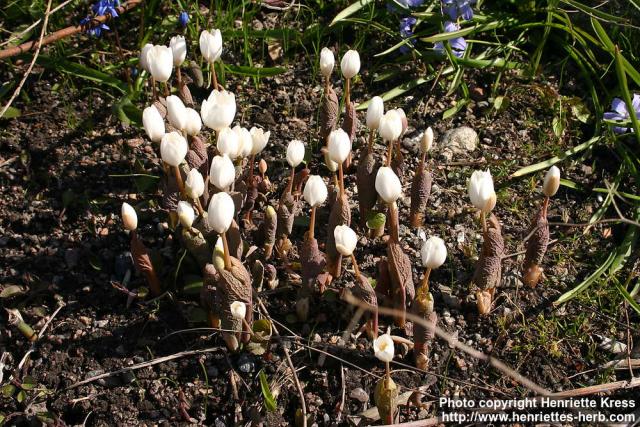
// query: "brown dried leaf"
[[142, 261], [350, 123], [313, 262], [420, 191], [422, 335], [340, 215], [170, 193], [386, 398], [401, 277], [236, 246], [161, 106], [235, 285], [397, 162], [200, 148], [539, 240], [208, 294], [366, 180], [285, 215], [489, 267], [328, 113], [185, 94], [197, 246]]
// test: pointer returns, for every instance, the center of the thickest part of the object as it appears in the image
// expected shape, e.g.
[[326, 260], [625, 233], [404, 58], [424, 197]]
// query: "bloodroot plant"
[[329, 105], [421, 185], [539, 232], [139, 251], [386, 392], [367, 163]]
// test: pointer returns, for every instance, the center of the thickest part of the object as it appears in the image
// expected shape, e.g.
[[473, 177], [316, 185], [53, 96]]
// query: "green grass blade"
[[258, 72], [633, 303], [82, 71], [595, 12], [626, 95], [269, 401], [350, 10], [399, 90], [587, 282]]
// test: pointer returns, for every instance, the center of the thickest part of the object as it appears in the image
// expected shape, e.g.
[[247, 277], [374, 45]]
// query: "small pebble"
[[360, 395]]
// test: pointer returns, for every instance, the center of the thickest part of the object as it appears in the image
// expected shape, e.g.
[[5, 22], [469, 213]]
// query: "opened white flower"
[[426, 142], [176, 112], [388, 185], [211, 45], [327, 61], [222, 172], [315, 191], [390, 126], [219, 109], [259, 139], [346, 239], [153, 123], [173, 148], [129, 217], [179, 48], [551, 182], [194, 184], [143, 57], [245, 142], [160, 62], [295, 153], [339, 145], [220, 212], [194, 123], [375, 111], [228, 143], [238, 310], [433, 252], [350, 64], [481, 191], [383, 348], [186, 214]]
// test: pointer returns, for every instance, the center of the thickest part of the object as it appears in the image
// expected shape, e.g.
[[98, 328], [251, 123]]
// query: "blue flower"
[[183, 19], [620, 111], [458, 8], [458, 44], [104, 7], [391, 6], [406, 31], [95, 31]]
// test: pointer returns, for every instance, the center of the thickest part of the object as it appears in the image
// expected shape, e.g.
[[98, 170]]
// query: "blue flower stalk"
[[620, 112], [458, 44], [406, 31]]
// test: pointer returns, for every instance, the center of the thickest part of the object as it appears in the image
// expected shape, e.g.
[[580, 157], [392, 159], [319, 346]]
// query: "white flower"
[[426, 142], [143, 57], [194, 123], [295, 153], [390, 126], [339, 145], [228, 143], [315, 191], [179, 48], [238, 310], [222, 172], [186, 215], [375, 111], [433, 252], [346, 239], [129, 217], [220, 212], [259, 139], [383, 348], [219, 109], [327, 61], [160, 62], [176, 112], [350, 64], [211, 45], [194, 184], [153, 123], [245, 142], [551, 182], [331, 165], [173, 148], [388, 185], [481, 191], [403, 120]]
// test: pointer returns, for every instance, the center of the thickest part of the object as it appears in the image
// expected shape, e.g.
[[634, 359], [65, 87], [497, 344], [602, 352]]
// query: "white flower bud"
[[346, 239], [245, 142], [427, 140], [143, 57], [219, 109], [383, 348], [194, 184], [220, 212], [179, 49], [481, 191], [173, 148], [228, 143], [350, 64], [339, 145], [176, 112], [238, 310], [211, 45], [315, 191], [388, 185], [551, 182], [186, 215], [194, 123], [390, 126], [259, 139], [433, 252], [129, 217], [327, 61], [375, 111], [222, 172], [153, 123], [295, 153], [331, 165], [403, 120], [160, 62]]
